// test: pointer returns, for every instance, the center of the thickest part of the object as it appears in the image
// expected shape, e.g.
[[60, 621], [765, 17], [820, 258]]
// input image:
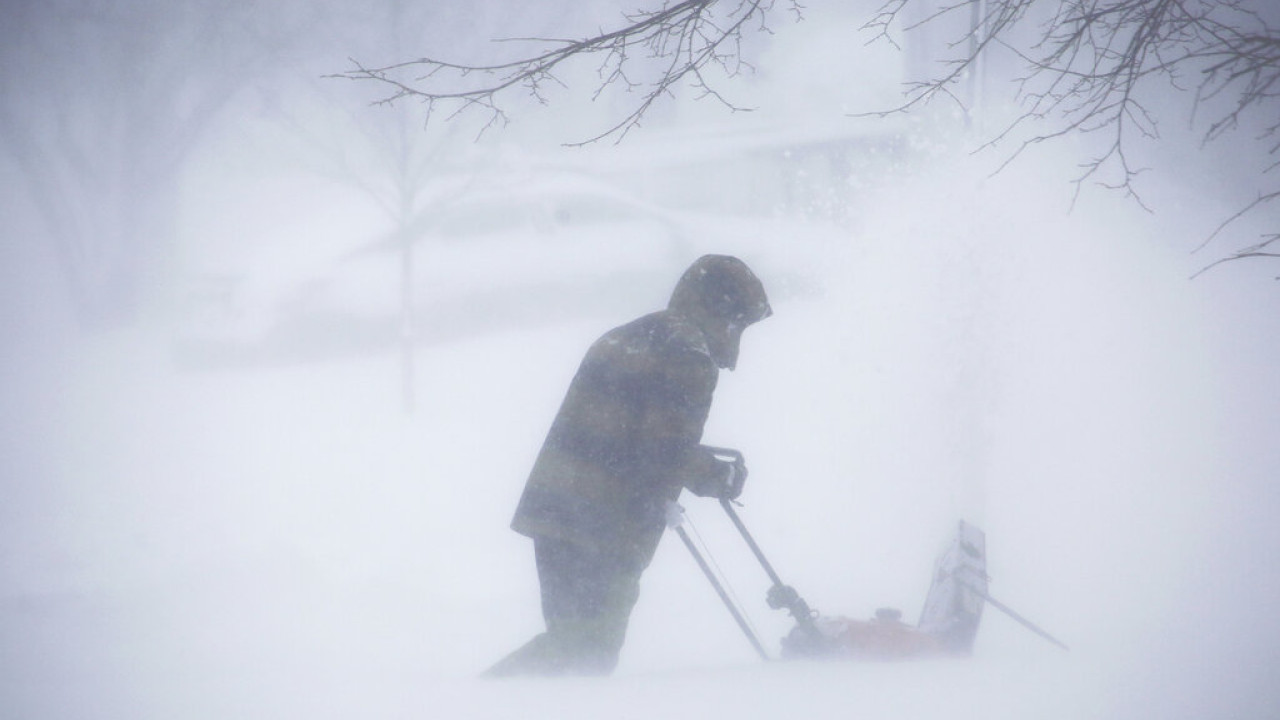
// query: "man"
[[623, 445]]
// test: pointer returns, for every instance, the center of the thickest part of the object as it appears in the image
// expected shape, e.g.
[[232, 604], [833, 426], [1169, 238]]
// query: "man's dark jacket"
[[625, 441]]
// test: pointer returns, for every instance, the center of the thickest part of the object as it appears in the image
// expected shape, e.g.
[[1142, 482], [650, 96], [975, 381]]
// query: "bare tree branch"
[[1090, 67], [653, 53], [1093, 66]]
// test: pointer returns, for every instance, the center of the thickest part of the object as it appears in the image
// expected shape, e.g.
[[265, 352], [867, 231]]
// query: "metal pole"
[[751, 543], [785, 593], [724, 596], [1023, 621]]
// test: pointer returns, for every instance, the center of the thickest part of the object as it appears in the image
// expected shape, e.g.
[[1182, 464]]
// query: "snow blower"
[[948, 623]]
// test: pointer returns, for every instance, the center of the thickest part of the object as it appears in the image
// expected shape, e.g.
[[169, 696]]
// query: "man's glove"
[[674, 514], [732, 479], [720, 474]]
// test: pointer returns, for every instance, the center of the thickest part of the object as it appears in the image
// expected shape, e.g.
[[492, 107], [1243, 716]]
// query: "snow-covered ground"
[[283, 541]]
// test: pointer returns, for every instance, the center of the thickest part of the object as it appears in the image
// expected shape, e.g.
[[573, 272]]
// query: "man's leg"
[[586, 602], [588, 606]]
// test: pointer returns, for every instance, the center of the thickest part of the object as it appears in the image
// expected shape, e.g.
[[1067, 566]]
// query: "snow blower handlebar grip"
[[733, 456]]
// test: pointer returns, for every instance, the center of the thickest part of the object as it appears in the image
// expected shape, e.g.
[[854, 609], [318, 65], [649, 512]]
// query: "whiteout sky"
[[272, 535]]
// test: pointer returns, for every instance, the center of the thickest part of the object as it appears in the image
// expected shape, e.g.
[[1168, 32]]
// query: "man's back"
[[629, 424]]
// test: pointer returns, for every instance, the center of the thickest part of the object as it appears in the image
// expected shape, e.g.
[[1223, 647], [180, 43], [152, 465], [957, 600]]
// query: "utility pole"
[[977, 36]]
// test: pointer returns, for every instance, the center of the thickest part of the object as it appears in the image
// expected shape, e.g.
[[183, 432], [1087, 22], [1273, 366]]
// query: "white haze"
[[280, 539]]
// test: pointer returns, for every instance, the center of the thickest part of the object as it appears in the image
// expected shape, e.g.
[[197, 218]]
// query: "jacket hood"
[[722, 296], [723, 287]]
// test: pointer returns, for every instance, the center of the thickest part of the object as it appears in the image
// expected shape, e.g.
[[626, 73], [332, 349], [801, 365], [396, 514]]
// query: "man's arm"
[[678, 402]]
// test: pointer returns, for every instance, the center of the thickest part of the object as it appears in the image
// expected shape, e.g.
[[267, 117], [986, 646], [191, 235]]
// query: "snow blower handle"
[[781, 595]]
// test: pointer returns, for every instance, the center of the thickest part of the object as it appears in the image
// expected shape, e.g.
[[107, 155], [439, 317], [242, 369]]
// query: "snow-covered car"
[[523, 250]]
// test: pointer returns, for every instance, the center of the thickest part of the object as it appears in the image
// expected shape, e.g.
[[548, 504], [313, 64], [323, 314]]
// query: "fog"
[[233, 489]]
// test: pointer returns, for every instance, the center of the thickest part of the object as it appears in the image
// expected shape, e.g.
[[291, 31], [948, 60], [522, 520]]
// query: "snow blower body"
[[948, 623]]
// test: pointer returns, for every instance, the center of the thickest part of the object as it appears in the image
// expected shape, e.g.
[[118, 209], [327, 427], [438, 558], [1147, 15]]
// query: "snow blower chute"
[[948, 623]]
